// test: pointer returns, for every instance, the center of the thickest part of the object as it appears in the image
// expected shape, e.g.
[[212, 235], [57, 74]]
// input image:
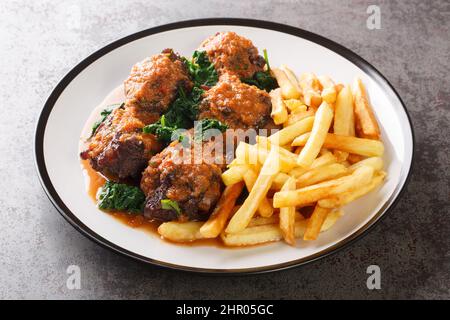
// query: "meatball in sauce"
[[234, 54], [179, 174], [154, 82], [238, 105], [119, 149]]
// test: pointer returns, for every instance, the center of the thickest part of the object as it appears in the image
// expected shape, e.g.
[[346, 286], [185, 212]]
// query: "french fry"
[[289, 90], [216, 222], [234, 163], [279, 181], [286, 147], [288, 134], [181, 231], [366, 122], [294, 117], [360, 146], [265, 143], [238, 162], [273, 219], [315, 223], [375, 162], [311, 90], [242, 217], [331, 219], [261, 221], [339, 87], [323, 160], [279, 112], [292, 79], [234, 174], [322, 122], [272, 232], [354, 158], [328, 89], [345, 163], [255, 235], [324, 151], [295, 105], [316, 175], [327, 189], [252, 154], [287, 216], [344, 119], [349, 196], [265, 208]]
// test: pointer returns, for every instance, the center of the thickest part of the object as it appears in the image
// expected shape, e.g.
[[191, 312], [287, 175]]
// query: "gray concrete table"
[[41, 40]]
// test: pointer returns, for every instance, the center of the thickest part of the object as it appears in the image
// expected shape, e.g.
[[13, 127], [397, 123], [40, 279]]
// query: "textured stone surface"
[[42, 40]]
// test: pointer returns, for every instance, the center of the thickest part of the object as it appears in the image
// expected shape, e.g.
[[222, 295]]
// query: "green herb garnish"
[[201, 128], [184, 110], [163, 131], [121, 197], [181, 115], [263, 79], [168, 204], [104, 114], [201, 70]]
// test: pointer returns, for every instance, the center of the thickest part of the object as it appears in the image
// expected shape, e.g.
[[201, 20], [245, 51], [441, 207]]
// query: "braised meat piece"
[[179, 174], [238, 105], [231, 53], [119, 149], [154, 82]]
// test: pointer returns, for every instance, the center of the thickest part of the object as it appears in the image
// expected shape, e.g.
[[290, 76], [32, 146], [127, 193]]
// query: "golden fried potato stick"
[[322, 123], [295, 105], [344, 118], [339, 87], [252, 154], [270, 169], [279, 181], [311, 90], [292, 79], [272, 232], [181, 231], [296, 116], [320, 174], [315, 223], [354, 158], [360, 146], [287, 216], [279, 112], [375, 162], [265, 208], [289, 89], [234, 174], [344, 198], [223, 210], [288, 134], [328, 89], [325, 159], [313, 193], [366, 122]]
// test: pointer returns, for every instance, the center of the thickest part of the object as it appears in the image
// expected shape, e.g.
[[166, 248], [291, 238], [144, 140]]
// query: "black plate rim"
[[92, 235]]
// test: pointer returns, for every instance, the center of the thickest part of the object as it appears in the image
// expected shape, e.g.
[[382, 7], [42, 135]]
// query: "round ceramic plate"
[[86, 85]]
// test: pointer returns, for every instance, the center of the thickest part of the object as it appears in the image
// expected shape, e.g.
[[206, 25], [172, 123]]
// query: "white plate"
[[83, 88]]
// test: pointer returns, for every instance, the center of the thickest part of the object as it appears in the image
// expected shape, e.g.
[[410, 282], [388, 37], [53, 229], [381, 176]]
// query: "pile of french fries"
[[327, 155]]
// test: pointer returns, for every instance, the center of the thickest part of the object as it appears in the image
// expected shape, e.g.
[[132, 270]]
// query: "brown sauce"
[[94, 181]]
